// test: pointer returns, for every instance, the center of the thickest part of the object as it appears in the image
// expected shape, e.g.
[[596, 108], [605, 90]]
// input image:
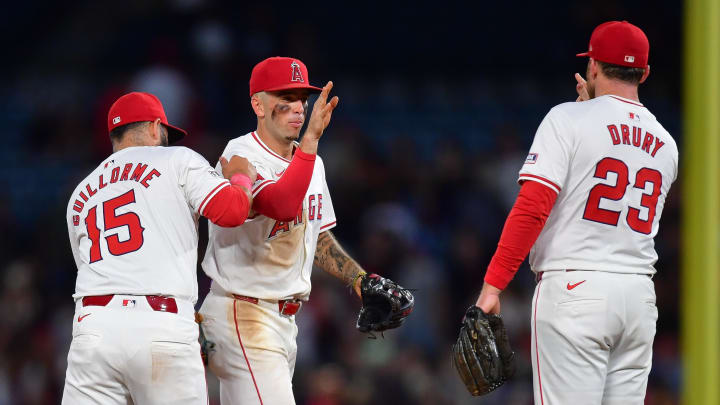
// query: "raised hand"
[[319, 120], [581, 88]]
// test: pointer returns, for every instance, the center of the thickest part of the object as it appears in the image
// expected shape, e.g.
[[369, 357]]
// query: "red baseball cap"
[[280, 73], [138, 107], [619, 43]]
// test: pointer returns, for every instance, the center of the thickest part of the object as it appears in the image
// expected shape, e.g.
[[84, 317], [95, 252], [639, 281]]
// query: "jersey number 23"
[[616, 192]]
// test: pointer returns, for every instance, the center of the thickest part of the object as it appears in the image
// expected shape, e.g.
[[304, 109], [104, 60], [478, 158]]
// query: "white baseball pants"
[[592, 336], [255, 350], [127, 353]]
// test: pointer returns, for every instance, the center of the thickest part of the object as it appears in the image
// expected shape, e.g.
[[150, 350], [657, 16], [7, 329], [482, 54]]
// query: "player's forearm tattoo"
[[330, 257]]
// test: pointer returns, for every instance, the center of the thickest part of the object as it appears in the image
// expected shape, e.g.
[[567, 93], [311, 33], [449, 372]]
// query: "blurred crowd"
[[422, 158]]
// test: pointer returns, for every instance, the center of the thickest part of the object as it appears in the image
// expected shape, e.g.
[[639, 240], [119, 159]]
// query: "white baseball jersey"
[[612, 165], [133, 222], [265, 258]]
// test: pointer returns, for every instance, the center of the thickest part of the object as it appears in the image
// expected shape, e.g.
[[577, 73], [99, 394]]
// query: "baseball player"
[[593, 189], [261, 270], [133, 231]]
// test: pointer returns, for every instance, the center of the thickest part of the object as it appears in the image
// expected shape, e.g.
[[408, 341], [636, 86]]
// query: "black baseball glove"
[[385, 304], [482, 355]]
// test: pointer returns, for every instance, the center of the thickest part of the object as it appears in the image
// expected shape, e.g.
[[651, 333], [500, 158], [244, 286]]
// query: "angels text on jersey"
[[314, 214]]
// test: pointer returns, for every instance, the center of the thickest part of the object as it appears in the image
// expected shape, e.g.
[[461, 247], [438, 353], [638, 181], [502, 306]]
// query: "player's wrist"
[[490, 289], [241, 179], [300, 154], [357, 280], [309, 145]]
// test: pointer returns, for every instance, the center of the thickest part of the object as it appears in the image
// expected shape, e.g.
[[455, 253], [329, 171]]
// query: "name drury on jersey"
[[622, 136]]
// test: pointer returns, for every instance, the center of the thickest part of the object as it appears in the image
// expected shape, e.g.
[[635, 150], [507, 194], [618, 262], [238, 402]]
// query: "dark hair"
[[624, 73], [117, 134]]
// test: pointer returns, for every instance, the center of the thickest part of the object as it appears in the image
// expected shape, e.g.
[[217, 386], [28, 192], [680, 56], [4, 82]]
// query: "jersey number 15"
[[111, 221], [593, 212]]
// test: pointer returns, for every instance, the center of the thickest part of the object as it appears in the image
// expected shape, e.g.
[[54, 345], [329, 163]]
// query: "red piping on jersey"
[[532, 176], [283, 199], [202, 208], [326, 225], [229, 207], [537, 351], [522, 228], [257, 188], [625, 101], [262, 145], [247, 361]]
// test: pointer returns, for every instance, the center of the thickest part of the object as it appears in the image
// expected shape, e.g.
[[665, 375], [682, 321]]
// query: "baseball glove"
[[385, 304], [482, 355]]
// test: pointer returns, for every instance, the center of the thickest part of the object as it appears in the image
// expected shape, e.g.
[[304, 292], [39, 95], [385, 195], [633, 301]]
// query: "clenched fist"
[[238, 165]]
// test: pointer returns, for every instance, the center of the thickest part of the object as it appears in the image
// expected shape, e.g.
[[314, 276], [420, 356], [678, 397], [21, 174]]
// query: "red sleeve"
[[522, 227], [229, 207], [282, 200]]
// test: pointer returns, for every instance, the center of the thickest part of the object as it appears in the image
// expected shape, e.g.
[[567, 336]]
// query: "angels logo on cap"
[[272, 75], [296, 73]]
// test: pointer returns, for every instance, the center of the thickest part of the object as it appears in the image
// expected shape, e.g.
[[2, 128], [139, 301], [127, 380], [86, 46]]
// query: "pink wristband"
[[240, 179]]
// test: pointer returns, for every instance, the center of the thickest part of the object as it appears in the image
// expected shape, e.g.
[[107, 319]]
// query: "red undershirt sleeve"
[[229, 207], [283, 199], [521, 230]]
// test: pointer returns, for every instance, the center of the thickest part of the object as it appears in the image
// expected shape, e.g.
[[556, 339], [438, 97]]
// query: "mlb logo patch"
[[116, 120], [76, 220], [128, 303], [531, 158], [634, 116], [629, 58]]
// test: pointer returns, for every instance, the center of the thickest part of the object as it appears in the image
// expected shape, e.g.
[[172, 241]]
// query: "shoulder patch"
[[531, 158]]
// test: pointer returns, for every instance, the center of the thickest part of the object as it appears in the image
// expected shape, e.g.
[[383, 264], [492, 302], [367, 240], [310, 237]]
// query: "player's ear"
[[155, 131], [257, 105], [593, 68], [645, 74]]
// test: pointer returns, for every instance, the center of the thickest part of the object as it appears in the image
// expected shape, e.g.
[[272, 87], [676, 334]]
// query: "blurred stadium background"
[[438, 106]]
